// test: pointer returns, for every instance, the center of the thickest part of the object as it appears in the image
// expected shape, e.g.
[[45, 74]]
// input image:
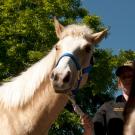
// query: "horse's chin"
[[63, 90]]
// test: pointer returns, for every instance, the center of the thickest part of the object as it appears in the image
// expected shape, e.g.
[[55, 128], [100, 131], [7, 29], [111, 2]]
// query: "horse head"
[[73, 54]]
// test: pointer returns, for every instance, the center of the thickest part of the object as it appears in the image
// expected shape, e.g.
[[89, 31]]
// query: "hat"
[[128, 64]]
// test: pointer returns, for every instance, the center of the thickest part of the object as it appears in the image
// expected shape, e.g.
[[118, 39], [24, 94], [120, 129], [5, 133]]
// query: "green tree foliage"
[[27, 34], [67, 124]]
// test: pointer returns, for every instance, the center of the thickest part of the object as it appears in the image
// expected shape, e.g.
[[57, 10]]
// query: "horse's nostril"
[[54, 77], [67, 77]]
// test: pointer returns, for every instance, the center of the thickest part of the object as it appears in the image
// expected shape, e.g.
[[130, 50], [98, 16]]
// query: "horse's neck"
[[129, 112], [129, 127], [45, 105], [44, 109], [22, 88], [36, 106]]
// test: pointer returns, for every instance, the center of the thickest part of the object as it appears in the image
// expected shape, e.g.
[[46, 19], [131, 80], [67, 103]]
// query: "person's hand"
[[87, 124]]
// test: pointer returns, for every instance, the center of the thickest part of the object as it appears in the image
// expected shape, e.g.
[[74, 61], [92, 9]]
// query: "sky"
[[120, 16]]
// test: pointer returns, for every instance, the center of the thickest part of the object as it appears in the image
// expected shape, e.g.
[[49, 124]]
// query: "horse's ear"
[[58, 27], [97, 37]]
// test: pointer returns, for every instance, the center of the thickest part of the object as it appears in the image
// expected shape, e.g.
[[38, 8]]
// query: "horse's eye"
[[87, 48]]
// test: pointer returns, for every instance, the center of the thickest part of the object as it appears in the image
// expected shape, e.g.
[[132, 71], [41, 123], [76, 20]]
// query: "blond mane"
[[76, 30], [20, 89]]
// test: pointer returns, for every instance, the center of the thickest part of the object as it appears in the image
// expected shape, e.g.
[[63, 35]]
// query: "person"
[[108, 120]]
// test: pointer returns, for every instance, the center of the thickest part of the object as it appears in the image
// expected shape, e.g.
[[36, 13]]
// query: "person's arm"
[[97, 126], [87, 125]]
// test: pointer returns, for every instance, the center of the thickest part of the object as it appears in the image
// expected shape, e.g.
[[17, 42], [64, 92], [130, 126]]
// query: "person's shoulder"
[[107, 105], [118, 102], [118, 99]]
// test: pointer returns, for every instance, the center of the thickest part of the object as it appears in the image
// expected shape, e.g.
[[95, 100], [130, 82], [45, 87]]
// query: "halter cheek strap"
[[83, 71], [79, 69]]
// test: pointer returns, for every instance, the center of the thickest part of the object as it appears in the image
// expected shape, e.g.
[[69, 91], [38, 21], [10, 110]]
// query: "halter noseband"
[[79, 69]]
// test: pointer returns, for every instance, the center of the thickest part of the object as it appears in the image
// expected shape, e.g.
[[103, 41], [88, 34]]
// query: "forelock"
[[76, 31]]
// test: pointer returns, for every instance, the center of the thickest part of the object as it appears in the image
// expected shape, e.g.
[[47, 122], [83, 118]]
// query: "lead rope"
[[76, 107], [78, 110]]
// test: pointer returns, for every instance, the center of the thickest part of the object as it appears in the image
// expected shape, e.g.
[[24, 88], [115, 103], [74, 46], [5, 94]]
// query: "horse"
[[129, 111], [32, 101]]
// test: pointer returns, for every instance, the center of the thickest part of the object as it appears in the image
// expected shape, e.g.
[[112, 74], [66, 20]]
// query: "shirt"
[[108, 119]]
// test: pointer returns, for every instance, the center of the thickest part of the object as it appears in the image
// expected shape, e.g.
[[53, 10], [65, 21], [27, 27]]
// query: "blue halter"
[[79, 69]]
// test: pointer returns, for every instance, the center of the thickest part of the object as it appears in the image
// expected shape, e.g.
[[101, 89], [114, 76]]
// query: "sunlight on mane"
[[76, 30], [20, 89]]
